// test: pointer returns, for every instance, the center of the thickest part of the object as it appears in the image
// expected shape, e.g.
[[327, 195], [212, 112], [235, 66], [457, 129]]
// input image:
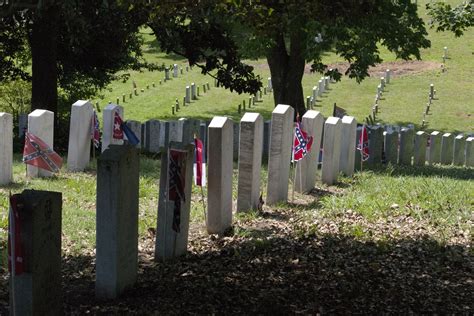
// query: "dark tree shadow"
[[326, 274]]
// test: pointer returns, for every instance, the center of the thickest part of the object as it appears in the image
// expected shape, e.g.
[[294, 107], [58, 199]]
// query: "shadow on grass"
[[332, 274], [454, 172]]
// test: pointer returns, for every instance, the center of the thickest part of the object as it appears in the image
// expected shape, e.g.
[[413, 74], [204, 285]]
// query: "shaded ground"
[[284, 262]]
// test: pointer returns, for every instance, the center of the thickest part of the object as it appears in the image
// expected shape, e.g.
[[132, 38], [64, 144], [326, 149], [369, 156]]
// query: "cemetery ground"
[[396, 239]]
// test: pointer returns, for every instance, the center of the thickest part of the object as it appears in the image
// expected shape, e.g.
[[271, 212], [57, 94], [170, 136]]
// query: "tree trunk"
[[43, 43], [287, 72]]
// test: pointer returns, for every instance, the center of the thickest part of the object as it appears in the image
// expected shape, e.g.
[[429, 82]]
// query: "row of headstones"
[[402, 145], [318, 91], [41, 124], [117, 203]]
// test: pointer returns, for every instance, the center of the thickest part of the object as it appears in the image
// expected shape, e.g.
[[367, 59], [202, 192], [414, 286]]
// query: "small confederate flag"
[[95, 130], [199, 147], [15, 248], [121, 128], [301, 143], [37, 153], [363, 145]]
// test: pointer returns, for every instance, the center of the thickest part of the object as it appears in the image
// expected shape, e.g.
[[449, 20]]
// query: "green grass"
[[403, 103]]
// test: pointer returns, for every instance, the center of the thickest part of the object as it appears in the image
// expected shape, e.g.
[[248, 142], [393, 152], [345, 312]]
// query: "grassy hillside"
[[404, 101]]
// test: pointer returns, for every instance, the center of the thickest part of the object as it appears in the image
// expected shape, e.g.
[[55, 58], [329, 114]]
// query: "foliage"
[[455, 19], [15, 97]]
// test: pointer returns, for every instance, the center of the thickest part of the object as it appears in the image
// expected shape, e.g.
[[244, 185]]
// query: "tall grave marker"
[[78, 155], [281, 137], [332, 150], [6, 148], [41, 124]]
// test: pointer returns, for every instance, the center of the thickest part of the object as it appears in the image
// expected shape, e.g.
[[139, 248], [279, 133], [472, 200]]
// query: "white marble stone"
[[41, 124], [108, 126], [187, 98], [250, 161], [348, 145], [331, 150], [281, 137], [175, 71], [176, 131], [469, 152], [447, 142], [419, 152], [269, 84], [220, 165], [193, 91], [6, 148], [387, 76], [79, 147], [459, 150], [312, 123], [435, 148]]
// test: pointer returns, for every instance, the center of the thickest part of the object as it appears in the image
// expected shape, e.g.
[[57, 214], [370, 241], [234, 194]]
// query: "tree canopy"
[[455, 19], [289, 34]]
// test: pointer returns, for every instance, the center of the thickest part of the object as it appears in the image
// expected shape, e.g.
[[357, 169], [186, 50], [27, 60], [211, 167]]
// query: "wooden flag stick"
[[294, 181], [203, 204]]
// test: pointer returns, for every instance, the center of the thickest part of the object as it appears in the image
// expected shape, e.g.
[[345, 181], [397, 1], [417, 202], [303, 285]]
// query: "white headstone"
[[331, 150], [459, 150], [188, 94], [419, 154], [281, 137], [78, 154], [312, 123], [348, 145], [250, 161], [6, 148], [435, 148], [108, 126], [193, 91], [41, 124], [220, 165], [470, 152], [175, 70], [387, 76], [269, 85], [447, 142]]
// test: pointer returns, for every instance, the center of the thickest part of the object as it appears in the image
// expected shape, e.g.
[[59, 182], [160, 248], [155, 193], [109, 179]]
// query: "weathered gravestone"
[[375, 144], [193, 91], [41, 124], [116, 221], [470, 152], [174, 201], [312, 123], [175, 71], [407, 140], [164, 134], [387, 76], [190, 127], [152, 136], [220, 165], [176, 131], [348, 145], [136, 128], [419, 154], [37, 291], [187, 97], [320, 87], [281, 137], [391, 147], [447, 142], [331, 150], [269, 84], [78, 155], [459, 150], [250, 161], [108, 126], [167, 73], [6, 148], [357, 162], [435, 148]]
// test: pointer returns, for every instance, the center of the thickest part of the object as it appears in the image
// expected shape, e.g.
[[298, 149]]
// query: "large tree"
[[216, 35], [455, 19], [76, 45]]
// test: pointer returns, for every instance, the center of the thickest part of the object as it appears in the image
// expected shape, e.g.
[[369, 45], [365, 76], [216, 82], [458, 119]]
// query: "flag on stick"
[[37, 153], [301, 143], [120, 128], [95, 130], [15, 248], [363, 145], [198, 176]]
